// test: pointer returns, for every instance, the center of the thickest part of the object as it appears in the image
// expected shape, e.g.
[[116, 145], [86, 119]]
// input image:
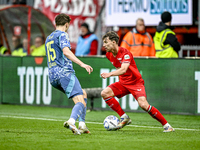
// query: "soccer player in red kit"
[[130, 81]]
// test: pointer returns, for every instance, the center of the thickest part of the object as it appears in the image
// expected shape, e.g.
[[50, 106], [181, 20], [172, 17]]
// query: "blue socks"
[[77, 110], [82, 116]]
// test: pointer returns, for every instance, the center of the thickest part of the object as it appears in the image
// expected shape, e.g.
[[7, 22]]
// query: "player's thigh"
[[137, 90], [118, 89], [56, 84], [71, 86]]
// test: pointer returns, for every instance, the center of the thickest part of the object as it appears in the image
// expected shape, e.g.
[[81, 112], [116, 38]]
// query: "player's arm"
[[117, 72], [72, 57]]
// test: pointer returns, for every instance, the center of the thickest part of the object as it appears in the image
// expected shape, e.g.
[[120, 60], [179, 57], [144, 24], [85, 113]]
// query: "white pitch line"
[[47, 119], [32, 118]]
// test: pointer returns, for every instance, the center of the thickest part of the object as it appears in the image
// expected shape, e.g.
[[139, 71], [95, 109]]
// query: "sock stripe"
[[156, 115], [149, 109], [108, 98], [114, 105]]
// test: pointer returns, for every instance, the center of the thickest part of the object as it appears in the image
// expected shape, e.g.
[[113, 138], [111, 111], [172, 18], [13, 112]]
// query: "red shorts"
[[120, 90]]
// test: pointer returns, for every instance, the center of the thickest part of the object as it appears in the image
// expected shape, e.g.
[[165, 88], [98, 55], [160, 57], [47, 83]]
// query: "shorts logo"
[[126, 57], [139, 89]]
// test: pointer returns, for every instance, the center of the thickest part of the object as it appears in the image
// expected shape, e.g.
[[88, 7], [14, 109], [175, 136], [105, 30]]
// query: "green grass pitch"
[[38, 128]]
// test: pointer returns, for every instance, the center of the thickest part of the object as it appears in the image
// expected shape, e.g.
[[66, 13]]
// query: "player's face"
[[108, 44]]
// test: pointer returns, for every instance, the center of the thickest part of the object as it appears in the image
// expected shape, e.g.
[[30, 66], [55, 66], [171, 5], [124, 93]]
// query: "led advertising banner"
[[126, 12], [172, 85]]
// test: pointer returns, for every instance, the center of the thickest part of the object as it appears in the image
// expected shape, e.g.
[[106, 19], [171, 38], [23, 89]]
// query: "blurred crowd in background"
[[141, 40]]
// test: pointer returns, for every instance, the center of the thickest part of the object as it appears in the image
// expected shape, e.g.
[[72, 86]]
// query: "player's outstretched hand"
[[88, 68]]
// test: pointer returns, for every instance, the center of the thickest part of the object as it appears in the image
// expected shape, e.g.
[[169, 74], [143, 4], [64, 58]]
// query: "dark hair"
[[166, 17], [62, 19], [113, 36]]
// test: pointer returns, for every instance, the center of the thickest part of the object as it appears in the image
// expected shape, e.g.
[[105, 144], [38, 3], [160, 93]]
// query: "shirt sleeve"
[[126, 58], [64, 41]]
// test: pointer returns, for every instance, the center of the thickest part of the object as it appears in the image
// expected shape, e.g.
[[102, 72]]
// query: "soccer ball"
[[110, 122]]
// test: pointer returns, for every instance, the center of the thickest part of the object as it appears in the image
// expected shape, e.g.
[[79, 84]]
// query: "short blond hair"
[[141, 19]]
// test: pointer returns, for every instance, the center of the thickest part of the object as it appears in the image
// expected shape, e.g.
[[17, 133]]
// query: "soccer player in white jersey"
[[62, 75]]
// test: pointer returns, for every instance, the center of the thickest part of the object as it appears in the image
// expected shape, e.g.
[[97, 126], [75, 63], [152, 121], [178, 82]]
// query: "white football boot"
[[72, 127], [123, 122], [168, 128], [83, 129]]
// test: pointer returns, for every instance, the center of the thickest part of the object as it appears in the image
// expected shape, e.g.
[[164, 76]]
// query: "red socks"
[[156, 114], [114, 105]]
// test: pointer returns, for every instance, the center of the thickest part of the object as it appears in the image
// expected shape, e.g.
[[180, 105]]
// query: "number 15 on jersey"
[[51, 52]]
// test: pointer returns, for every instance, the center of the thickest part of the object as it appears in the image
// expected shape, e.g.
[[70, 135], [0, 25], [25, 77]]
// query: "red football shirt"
[[132, 74]]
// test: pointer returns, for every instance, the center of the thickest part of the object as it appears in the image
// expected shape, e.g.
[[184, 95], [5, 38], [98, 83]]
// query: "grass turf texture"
[[33, 127]]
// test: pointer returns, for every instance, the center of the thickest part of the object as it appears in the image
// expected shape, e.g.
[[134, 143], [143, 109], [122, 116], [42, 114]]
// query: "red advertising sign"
[[80, 11]]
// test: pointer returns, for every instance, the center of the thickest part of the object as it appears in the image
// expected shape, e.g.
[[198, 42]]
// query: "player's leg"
[[78, 107], [138, 91], [73, 90], [82, 116], [82, 126], [76, 112], [108, 94], [155, 113]]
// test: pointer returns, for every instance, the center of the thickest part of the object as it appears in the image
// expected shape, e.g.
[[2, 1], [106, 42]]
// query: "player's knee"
[[104, 93], [143, 103], [143, 106], [84, 103], [79, 98], [84, 93], [107, 92]]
